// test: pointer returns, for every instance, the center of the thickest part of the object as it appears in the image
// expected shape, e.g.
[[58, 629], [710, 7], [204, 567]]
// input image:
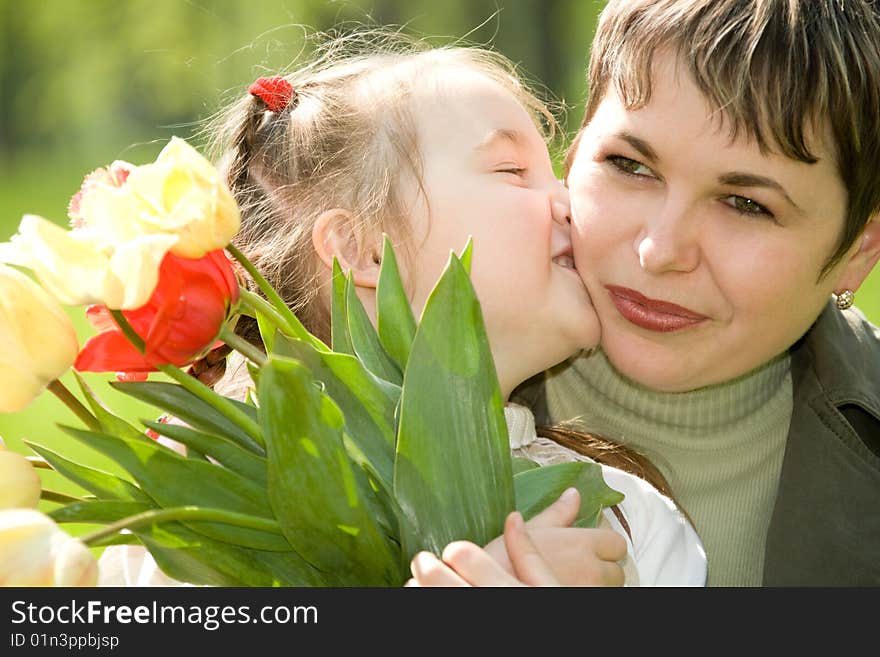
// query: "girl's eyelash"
[[517, 171]]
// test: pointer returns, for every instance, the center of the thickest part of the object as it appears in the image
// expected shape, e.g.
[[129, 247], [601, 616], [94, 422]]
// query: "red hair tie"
[[276, 92]]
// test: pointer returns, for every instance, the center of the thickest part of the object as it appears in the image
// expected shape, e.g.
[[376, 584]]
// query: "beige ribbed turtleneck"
[[720, 448]]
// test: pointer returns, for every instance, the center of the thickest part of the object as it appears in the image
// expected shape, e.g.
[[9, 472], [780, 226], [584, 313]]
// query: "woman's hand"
[[546, 551]]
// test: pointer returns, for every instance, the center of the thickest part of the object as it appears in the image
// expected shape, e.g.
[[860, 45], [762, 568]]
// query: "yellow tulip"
[[37, 340], [82, 267], [19, 482], [34, 551], [125, 219], [180, 194]]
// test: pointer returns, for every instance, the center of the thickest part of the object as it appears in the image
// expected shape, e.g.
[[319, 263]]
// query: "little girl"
[[433, 146]]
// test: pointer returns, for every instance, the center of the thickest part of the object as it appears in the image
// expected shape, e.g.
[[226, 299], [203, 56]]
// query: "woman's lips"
[[651, 314]]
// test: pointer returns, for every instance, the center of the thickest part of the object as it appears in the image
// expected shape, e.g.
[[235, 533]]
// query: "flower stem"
[[60, 390], [203, 392], [128, 331], [255, 303], [290, 320], [183, 513], [242, 346], [196, 387]]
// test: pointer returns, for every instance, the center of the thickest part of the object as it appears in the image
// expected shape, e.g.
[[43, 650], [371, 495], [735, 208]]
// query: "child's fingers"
[[428, 570], [476, 565], [610, 546], [559, 514], [611, 574], [528, 564]]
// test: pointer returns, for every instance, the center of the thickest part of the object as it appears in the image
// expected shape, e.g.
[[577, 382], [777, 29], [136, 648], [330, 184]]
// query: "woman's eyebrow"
[[742, 179], [643, 147]]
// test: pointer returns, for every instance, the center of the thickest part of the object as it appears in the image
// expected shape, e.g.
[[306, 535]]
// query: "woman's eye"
[[748, 207], [516, 171], [630, 167]]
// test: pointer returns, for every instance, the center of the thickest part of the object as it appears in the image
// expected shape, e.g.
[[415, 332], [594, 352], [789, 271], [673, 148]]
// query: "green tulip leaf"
[[365, 340], [395, 322], [182, 404], [467, 255], [222, 450], [188, 556], [267, 329], [452, 474], [173, 480], [367, 402], [101, 484], [339, 337], [538, 488], [98, 511], [521, 465], [109, 422], [193, 453], [313, 485]]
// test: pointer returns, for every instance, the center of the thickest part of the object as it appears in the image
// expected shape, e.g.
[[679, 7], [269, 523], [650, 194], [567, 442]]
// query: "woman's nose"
[[669, 242]]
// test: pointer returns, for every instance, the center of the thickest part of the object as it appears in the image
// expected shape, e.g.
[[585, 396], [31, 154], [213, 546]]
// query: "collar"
[[520, 425], [843, 350]]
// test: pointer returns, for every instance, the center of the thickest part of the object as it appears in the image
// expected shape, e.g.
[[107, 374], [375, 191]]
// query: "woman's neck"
[[708, 408]]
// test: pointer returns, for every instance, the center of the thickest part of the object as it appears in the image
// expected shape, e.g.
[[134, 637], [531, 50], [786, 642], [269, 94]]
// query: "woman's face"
[[487, 174], [701, 254]]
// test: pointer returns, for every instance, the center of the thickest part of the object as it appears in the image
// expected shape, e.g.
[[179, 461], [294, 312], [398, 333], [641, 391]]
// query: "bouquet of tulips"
[[344, 461]]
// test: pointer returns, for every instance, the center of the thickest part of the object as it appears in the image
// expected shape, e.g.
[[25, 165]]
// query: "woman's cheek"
[[598, 226]]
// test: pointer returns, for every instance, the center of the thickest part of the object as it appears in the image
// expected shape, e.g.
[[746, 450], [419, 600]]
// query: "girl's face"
[[487, 174], [702, 254]]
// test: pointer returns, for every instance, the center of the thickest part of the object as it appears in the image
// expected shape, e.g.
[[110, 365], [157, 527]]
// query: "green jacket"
[[825, 528]]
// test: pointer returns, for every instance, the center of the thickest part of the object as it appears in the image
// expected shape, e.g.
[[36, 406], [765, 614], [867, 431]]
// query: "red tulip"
[[179, 323]]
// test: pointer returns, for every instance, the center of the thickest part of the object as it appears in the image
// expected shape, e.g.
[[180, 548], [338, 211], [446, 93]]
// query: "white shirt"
[[665, 549]]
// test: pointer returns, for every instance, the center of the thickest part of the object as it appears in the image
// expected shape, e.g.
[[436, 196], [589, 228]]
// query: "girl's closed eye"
[[515, 170]]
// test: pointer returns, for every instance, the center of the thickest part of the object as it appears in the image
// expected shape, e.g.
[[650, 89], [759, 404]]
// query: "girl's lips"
[[652, 314]]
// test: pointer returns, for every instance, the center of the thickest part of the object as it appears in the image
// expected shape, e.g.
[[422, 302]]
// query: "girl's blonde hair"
[[348, 140]]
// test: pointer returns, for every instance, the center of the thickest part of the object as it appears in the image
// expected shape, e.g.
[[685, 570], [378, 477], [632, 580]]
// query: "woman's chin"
[[658, 372]]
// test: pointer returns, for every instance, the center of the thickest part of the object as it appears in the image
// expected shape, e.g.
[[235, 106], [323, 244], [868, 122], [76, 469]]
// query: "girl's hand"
[[467, 564], [546, 551]]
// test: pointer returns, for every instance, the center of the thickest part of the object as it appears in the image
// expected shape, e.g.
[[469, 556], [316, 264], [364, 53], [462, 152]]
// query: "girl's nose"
[[560, 205]]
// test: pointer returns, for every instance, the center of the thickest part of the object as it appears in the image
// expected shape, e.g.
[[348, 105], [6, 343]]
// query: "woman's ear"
[[865, 257], [334, 235]]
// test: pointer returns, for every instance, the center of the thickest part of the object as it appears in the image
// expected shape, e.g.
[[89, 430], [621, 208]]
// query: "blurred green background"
[[87, 82]]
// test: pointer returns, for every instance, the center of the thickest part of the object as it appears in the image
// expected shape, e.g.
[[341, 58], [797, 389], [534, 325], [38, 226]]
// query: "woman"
[[710, 242]]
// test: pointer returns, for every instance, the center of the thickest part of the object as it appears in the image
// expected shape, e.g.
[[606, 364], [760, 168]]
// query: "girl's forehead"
[[473, 108]]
